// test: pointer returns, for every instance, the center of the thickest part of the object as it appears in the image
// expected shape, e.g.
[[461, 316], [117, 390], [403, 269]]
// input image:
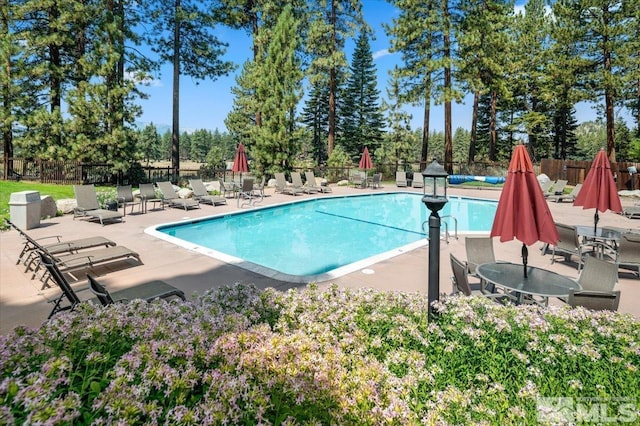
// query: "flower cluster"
[[241, 355]]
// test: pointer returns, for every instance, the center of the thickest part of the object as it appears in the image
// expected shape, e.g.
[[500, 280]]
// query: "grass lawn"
[[58, 192]]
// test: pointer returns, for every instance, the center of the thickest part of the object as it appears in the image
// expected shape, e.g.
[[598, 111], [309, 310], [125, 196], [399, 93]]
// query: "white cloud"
[[142, 78], [381, 53]]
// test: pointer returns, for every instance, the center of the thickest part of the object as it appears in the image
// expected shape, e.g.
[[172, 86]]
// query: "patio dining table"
[[540, 283], [608, 239]]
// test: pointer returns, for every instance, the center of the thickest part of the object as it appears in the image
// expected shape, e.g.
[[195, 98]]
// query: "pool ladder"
[[447, 235]]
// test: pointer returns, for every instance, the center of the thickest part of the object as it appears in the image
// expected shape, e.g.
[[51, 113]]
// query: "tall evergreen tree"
[[363, 121], [184, 38], [315, 116], [606, 32], [484, 50], [415, 34], [563, 84], [279, 86], [331, 22], [529, 76], [399, 141]]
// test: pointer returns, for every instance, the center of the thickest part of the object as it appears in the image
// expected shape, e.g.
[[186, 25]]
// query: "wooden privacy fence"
[[575, 171]]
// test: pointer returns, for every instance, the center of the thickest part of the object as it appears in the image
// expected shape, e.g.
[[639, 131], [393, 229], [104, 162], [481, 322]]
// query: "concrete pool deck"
[[22, 302]]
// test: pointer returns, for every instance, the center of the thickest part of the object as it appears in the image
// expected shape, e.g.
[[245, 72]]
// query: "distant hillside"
[[162, 128]]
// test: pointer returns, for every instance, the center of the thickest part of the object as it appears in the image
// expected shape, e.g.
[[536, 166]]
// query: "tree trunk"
[[425, 128], [448, 135], [7, 101], [492, 126], [175, 132], [474, 128], [332, 85]]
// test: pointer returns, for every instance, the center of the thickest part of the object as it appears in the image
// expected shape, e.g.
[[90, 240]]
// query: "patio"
[[22, 301]]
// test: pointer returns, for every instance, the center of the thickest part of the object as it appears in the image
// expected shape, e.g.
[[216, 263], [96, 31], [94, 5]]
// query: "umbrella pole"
[[596, 218], [525, 256]]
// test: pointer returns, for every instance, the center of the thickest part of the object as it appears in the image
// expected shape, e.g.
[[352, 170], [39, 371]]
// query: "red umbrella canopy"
[[365, 161], [599, 189], [240, 163], [523, 212]]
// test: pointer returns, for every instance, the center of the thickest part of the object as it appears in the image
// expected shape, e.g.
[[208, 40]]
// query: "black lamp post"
[[435, 197]]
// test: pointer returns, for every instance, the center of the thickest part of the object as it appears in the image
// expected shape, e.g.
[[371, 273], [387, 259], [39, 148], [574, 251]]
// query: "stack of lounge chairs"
[[72, 255]]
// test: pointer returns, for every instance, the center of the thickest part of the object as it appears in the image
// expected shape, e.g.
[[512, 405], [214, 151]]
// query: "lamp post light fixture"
[[435, 197]]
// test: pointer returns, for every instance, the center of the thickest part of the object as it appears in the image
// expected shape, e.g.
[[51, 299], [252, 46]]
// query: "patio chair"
[[628, 252], [598, 275], [126, 198], [479, 250], [417, 181], [376, 181], [546, 186], [171, 197], [571, 196], [594, 300], [460, 282], [313, 183], [201, 194], [296, 181], [557, 188], [283, 188], [29, 253], [259, 188], [149, 291], [356, 179], [227, 187], [246, 192], [88, 207], [401, 179], [632, 212], [68, 299], [569, 245], [148, 195]]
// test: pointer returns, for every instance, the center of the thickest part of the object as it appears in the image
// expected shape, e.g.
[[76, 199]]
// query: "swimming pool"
[[322, 238]]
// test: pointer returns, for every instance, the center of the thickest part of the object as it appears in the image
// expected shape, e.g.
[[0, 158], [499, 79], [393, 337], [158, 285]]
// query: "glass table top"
[[539, 282]]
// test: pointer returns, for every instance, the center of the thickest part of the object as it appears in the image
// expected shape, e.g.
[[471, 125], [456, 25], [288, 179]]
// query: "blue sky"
[[205, 104]]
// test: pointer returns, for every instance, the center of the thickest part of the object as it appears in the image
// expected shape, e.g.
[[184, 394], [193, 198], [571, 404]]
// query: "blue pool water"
[[315, 236]]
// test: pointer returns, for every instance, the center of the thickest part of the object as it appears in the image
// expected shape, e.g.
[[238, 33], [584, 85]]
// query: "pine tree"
[[315, 116], [330, 23], [399, 141], [279, 87], [414, 33], [184, 37], [605, 32], [363, 121], [484, 50]]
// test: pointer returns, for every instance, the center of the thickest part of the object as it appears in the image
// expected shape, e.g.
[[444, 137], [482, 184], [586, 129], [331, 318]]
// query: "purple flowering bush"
[[240, 355]]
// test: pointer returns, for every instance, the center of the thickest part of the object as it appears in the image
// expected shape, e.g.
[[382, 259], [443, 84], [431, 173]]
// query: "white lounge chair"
[[401, 179]]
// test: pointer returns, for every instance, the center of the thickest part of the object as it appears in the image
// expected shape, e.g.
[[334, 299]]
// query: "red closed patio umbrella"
[[523, 212], [365, 162], [599, 189], [240, 163]]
